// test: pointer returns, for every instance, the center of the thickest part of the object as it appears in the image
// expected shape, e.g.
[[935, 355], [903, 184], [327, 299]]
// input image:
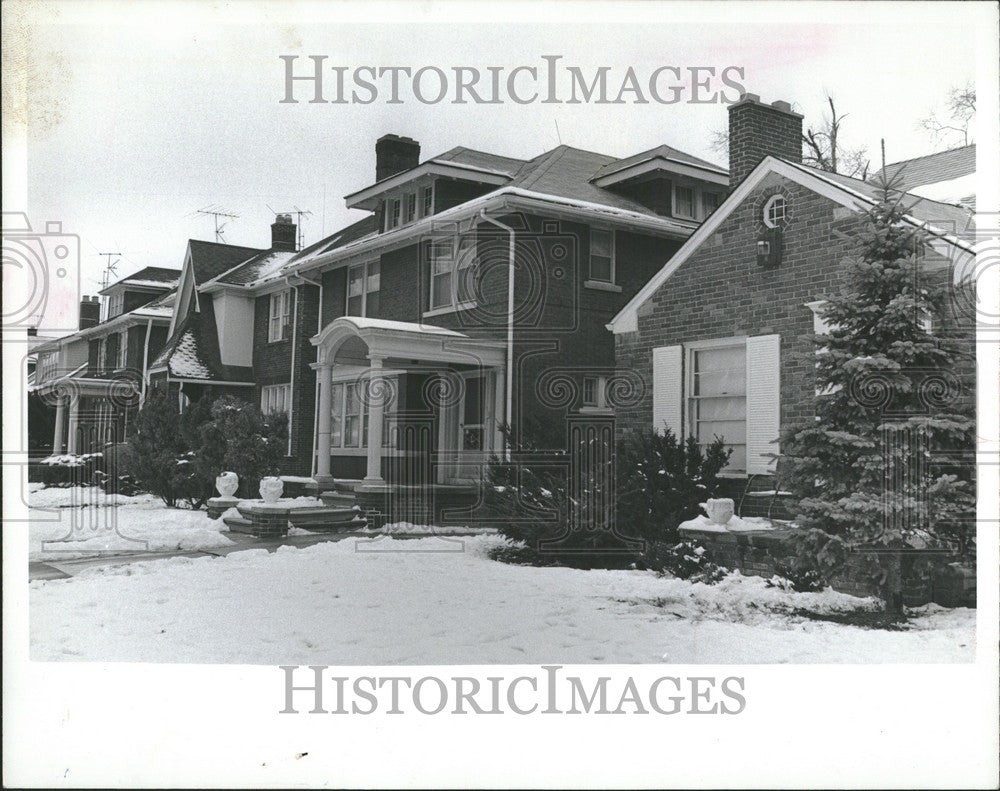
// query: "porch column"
[[57, 439], [324, 372], [74, 423], [376, 392]]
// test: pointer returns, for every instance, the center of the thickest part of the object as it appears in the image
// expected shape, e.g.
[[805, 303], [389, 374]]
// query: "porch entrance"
[[468, 427]]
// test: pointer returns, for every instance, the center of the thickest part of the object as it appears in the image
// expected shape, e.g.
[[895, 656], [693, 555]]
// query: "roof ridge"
[[928, 156], [549, 158]]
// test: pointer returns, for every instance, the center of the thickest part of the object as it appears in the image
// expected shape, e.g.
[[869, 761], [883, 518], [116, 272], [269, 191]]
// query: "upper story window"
[[410, 214], [452, 267], [775, 211], [363, 286], [684, 202], [427, 201], [717, 398], [122, 350], [46, 368], [116, 304], [595, 392], [710, 201], [602, 255], [393, 213], [280, 319]]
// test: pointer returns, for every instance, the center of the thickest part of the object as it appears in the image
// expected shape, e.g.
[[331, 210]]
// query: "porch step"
[[327, 519], [238, 524], [347, 485], [336, 499]]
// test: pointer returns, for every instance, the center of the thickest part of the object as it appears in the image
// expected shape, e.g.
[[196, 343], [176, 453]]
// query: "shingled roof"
[[154, 276], [211, 259], [933, 168], [257, 269], [192, 352]]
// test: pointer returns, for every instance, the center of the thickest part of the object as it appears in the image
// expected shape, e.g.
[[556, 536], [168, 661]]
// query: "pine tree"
[[154, 446], [876, 467]]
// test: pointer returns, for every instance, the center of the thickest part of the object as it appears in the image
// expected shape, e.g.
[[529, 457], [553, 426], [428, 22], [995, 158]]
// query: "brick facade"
[[757, 130]]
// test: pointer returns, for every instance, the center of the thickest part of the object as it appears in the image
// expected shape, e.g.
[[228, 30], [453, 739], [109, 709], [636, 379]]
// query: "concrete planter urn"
[[271, 488], [720, 510], [227, 483]]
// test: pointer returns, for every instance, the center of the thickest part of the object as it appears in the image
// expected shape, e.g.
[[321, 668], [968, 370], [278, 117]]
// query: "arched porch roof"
[[385, 338]]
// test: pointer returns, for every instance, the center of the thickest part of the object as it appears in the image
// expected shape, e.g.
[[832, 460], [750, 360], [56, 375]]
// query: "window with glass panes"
[[349, 418], [281, 315], [683, 201], [411, 207], [427, 200], [602, 255], [452, 267], [717, 399], [275, 398], [363, 284], [710, 201]]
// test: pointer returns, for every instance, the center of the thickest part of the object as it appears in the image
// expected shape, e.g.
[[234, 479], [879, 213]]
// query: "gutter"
[[509, 376]]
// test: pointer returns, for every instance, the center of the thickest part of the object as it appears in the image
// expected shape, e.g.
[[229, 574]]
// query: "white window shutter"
[[668, 389], [763, 402]]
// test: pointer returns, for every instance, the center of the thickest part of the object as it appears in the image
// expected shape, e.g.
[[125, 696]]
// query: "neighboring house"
[[720, 335], [95, 377], [948, 176]]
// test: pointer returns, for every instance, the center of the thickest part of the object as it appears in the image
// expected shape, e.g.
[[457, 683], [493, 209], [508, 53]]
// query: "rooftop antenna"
[[558, 136], [300, 236], [109, 268], [217, 213]]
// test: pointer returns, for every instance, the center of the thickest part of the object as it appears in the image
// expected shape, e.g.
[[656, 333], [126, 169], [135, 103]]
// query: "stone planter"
[[271, 489], [227, 483], [719, 510]]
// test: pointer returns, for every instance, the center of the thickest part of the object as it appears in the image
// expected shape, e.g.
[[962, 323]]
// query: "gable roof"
[[933, 168], [354, 232], [192, 352], [849, 192], [659, 152], [256, 270]]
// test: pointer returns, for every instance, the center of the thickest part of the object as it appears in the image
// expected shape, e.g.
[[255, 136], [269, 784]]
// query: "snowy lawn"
[[397, 601], [81, 521]]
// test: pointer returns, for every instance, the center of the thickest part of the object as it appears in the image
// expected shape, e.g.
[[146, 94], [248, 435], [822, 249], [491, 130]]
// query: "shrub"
[[686, 560], [67, 469], [662, 481], [154, 446]]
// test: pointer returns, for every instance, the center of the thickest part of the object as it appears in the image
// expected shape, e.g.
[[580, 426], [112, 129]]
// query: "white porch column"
[[376, 403], [324, 372], [57, 439], [74, 423]]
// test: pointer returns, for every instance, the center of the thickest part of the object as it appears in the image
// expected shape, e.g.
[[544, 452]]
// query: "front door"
[[466, 430]]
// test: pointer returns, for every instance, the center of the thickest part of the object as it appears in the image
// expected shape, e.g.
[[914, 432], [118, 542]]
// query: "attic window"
[[775, 211]]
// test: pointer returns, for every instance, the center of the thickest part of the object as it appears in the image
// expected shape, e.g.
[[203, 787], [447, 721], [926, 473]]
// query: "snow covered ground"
[[405, 601], [80, 521]]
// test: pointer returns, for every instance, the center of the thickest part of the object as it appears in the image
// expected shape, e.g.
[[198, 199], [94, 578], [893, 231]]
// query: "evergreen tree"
[[875, 468], [154, 446]]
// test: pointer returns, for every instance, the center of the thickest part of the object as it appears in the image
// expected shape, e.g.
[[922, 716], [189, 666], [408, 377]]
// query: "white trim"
[[627, 319], [590, 254], [766, 211], [356, 200], [695, 195], [673, 166], [453, 308], [601, 285]]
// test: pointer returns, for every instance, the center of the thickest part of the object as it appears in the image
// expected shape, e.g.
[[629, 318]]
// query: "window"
[[363, 284], [393, 209], [122, 350], [116, 305], [411, 207], [683, 202], [602, 255], [278, 328], [427, 199], [595, 392], [710, 201], [452, 268], [349, 418], [275, 398], [717, 399], [775, 211]]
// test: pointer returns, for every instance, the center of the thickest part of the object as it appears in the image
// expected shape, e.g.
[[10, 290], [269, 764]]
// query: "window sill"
[[600, 285], [448, 309]]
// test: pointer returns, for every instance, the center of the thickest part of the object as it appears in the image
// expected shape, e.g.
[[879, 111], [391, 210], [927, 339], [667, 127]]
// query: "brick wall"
[[757, 130]]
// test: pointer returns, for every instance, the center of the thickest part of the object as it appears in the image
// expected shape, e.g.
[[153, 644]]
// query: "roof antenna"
[[558, 136], [217, 213], [883, 155]]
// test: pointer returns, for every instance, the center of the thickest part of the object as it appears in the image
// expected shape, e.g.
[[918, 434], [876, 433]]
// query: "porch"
[[407, 413]]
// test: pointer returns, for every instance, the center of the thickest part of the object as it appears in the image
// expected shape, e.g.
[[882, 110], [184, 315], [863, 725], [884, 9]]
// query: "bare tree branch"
[[955, 126]]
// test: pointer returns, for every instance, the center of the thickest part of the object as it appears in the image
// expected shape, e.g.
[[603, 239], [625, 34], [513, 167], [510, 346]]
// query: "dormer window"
[[427, 200], [116, 304], [393, 213], [411, 207], [684, 202], [710, 201]]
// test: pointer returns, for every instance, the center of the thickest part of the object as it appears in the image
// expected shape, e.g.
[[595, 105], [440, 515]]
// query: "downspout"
[[145, 362], [299, 280], [509, 375], [291, 373]]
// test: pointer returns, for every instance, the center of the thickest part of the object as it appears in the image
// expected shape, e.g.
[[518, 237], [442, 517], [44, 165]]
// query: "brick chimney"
[[283, 235], [394, 154], [90, 311], [757, 130]]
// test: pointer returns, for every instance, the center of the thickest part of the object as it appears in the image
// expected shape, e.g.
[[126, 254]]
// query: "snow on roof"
[[184, 362], [363, 322], [255, 270]]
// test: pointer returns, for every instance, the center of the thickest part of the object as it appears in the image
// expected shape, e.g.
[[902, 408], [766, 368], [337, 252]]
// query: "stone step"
[[346, 485], [238, 524], [336, 499], [322, 519]]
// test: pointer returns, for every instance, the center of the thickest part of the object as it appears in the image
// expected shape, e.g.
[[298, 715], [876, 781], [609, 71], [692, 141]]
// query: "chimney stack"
[[90, 312], [394, 154], [283, 235], [757, 130]]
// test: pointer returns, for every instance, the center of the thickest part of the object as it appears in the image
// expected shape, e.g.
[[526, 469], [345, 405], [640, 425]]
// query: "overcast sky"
[[145, 113]]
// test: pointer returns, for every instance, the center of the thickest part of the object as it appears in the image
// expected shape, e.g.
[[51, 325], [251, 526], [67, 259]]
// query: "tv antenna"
[[300, 236], [109, 268], [221, 219]]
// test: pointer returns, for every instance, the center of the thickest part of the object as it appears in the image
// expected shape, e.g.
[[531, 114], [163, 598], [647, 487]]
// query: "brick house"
[[95, 377], [720, 335], [472, 294]]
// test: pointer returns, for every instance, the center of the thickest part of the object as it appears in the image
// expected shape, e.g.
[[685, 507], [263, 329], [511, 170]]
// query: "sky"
[[141, 114]]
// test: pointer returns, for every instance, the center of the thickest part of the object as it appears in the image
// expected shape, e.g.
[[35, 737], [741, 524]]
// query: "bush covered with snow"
[[67, 469], [662, 481], [686, 560]]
